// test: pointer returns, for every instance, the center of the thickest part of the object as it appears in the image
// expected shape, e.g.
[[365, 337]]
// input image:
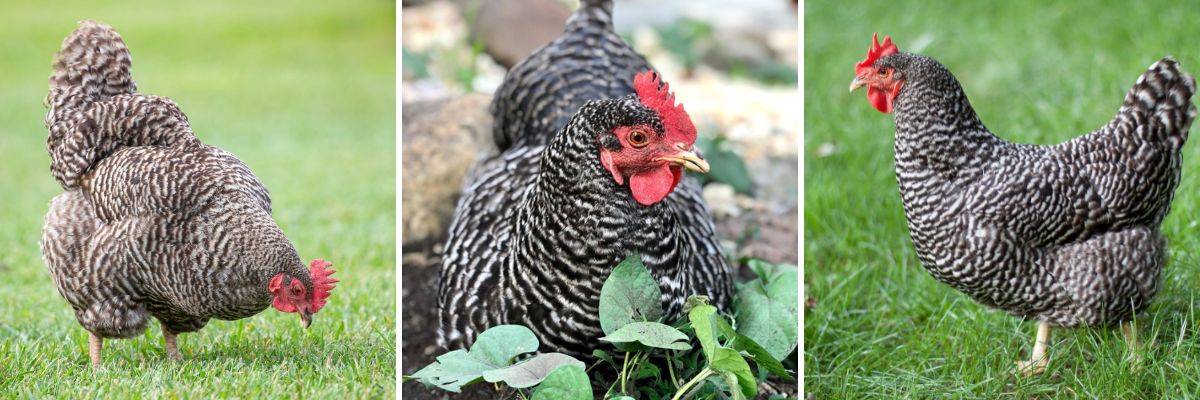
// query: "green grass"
[[305, 95], [1036, 73]]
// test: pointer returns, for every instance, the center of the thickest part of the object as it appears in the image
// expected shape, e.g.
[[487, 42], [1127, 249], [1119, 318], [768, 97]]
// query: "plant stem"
[[624, 366], [671, 368], [688, 386], [636, 367]]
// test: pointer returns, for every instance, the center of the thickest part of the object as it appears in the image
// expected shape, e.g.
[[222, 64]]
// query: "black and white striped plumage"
[[152, 222], [540, 225], [1067, 234]]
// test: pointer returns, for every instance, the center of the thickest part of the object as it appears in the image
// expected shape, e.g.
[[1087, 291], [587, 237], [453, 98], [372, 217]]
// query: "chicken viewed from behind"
[[152, 222], [1067, 234], [591, 153]]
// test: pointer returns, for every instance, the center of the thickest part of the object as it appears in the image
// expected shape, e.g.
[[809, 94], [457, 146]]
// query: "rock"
[[512, 29], [721, 199], [440, 142], [826, 149], [752, 33], [432, 25]]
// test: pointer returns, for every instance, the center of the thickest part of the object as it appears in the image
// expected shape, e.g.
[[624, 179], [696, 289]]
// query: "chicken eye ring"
[[638, 138]]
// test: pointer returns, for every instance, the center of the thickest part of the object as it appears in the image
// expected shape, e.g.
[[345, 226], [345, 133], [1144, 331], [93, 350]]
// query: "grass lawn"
[[1036, 73], [305, 95]]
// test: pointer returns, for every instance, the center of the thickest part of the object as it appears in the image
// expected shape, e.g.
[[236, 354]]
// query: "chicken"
[[1067, 234], [590, 169], [152, 222]]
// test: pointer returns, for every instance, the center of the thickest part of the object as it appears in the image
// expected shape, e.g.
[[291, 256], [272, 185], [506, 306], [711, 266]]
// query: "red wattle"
[[880, 100], [649, 187]]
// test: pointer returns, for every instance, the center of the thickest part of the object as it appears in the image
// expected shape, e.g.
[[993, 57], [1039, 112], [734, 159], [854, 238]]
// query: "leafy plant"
[[727, 166], [491, 359], [684, 40], [631, 314]]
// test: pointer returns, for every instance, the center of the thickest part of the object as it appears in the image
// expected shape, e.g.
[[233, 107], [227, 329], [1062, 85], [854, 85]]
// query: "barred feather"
[[152, 223], [1066, 233], [541, 224]]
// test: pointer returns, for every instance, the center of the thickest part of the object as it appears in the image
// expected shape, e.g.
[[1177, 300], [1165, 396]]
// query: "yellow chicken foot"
[[171, 347], [1132, 344], [95, 343], [1038, 359]]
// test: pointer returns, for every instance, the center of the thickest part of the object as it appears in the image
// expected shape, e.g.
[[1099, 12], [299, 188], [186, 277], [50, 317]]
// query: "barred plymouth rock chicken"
[[592, 148], [152, 221], [1067, 234]]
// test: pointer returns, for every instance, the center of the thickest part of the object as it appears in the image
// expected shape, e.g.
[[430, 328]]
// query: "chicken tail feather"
[[94, 107], [94, 59], [1162, 97]]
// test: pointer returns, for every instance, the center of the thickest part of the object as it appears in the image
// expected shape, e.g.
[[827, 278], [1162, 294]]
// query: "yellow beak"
[[856, 83], [688, 160]]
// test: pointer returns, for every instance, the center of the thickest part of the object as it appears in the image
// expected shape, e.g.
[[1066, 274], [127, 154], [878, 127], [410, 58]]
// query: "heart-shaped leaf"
[[736, 372], [629, 294], [495, 348], [532, 371], [651, 334], [568, 382], [766, 308]]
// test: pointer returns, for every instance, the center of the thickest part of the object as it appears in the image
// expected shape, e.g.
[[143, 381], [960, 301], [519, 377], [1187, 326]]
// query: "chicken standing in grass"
[[1066, 234], [592, 149], [152, 221]]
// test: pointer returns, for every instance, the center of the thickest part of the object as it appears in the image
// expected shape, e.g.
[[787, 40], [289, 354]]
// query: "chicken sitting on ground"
[[1068, 234], [152, 222], [590, 170]]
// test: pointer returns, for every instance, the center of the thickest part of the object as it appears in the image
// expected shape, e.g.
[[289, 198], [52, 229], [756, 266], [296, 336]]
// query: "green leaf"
[[531, 372], [724, 329], [726, 166], [452, 371], [760, 356], [651, 334], [766, 308], [494, 348], [701, 318], [630, 294], [647, 370], [568, 382], [500, 344], [603, 356], [733, 368]]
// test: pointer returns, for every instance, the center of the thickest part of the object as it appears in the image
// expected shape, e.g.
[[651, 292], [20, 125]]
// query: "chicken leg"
[[95, 343], [169, 344], [1038, 359]]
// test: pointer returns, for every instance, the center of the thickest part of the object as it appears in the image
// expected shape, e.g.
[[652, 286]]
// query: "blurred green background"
[[1035, 72], [304, 93]]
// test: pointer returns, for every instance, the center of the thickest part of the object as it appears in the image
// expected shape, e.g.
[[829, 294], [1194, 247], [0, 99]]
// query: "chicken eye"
[[883, 71], [638, 138], [296, 290]]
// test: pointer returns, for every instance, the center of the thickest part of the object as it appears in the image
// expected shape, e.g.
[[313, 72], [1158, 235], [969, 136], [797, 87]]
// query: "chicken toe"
[[1038, 359]]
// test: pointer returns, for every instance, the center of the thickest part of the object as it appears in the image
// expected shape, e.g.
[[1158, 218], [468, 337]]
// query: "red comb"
[[874, 53], [322, 283], [675, 118]]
